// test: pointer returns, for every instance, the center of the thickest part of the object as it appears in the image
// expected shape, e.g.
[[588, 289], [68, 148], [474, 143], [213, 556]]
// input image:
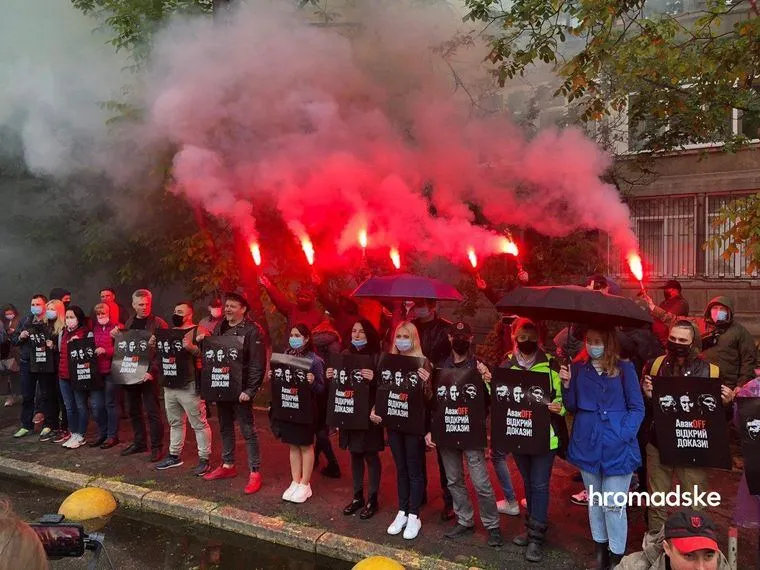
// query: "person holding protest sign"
[[236, 323], [56, 426], [604, 394], [747, 421], [364, 445], [102, 325], [181, 399], [409, 449], [462, 357], [536, 470], [682, 359], [300, 437], [146, 392]]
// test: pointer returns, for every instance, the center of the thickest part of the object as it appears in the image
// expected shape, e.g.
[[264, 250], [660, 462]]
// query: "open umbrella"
[[407, 286], [573, 304]]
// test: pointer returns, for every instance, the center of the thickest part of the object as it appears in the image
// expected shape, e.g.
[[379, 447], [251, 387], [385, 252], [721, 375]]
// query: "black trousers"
[[139, 395]]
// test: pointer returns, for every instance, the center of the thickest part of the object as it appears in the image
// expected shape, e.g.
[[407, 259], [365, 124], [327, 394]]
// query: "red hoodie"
[[63, 359]]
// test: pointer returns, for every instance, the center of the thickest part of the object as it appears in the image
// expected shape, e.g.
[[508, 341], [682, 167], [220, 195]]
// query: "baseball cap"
[[689, 531], [672, 284], [460, 328]]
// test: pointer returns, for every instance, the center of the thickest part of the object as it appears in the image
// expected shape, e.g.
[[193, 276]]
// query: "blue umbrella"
[[407, 286]]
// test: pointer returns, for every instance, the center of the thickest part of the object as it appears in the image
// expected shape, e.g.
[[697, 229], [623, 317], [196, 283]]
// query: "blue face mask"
[[51, 315], [403, 344], [359, 343], [296, 342], [36, 311], [595, 351], [719, 315]]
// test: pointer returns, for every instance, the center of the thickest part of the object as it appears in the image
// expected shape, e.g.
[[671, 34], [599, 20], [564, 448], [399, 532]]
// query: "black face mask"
[[678, 350], [527, 347], [177, 320], [461, 345]]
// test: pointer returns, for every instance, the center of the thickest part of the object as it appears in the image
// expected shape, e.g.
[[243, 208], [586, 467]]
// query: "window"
[[715, 265]]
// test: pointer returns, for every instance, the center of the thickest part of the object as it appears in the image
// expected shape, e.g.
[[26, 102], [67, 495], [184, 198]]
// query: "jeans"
[[70, 403], [608, 522], [408, 455], [97, 403], [181, 402], [536, 471], [227, 412], [47, 401], [139, 395], [481, 482], [357, 472], [113, 411], [499, 460]]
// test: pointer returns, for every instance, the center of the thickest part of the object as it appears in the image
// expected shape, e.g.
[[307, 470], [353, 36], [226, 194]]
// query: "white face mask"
[[215, 312], [102, 320], [71, 323]]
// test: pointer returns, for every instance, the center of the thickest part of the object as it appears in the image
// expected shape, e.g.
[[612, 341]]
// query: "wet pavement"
[[568, 540]]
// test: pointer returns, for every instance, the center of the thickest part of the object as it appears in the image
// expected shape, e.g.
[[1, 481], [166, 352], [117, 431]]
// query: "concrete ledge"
[[178, 506], [128, 495], [48, 476], [266, 528]]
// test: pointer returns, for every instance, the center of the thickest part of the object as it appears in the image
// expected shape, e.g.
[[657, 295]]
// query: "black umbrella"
[[407, 286], [573, 304]]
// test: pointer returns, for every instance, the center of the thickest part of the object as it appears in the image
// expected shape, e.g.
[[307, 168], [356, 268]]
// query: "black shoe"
[[156, 454], [332, 470], [169, 462], [459, 530], [614, 560], [369, 510], [495, 539], [521, 539], [203, 467], [536, 536], [534, 552], [601, 557], [447, 514], [353, 506], [131, 449], [98, 442], [110, 442]]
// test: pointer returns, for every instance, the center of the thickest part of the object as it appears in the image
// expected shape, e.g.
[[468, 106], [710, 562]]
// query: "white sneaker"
[[74, 442], [413, 526], [398, 523], [511, 508], [301, 493], [288, 494]]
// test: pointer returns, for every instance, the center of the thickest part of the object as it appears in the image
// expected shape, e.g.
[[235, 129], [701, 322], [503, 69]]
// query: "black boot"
[[614, 560], [602, 557], [536, 536], [354, 505], [370, 509], [522, 539]]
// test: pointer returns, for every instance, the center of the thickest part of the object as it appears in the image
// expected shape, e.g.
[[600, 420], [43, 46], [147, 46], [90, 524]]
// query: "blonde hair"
[[20, 547], [611, 356], [59, 308], [409, 327]]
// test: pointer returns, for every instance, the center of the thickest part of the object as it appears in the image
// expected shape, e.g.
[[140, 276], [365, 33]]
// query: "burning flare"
[[472, 257], [510, 247], [396, 258], [308, 249], [634, 262], [363, 238], [256, 254]]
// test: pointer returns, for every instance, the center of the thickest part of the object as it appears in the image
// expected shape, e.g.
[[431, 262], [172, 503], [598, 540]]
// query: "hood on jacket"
[[720, 300]]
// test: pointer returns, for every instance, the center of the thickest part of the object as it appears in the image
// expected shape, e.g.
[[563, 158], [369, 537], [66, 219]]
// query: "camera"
[[62, 539]]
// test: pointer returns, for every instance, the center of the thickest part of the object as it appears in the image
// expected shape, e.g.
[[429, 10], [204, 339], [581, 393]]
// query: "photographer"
[[19, 545]]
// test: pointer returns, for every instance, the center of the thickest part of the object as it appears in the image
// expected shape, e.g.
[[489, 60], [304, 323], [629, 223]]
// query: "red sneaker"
[[254, 483], [221, 472]]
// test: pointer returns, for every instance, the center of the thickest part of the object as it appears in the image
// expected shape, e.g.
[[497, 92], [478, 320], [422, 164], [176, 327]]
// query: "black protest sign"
[[690, 422], [177, 366], [520, 417], [749, 425], [131, 356], [400, 399], [459, 420], [291, 391], [84, 373], [222, 368], [348, 401], [41, 358]]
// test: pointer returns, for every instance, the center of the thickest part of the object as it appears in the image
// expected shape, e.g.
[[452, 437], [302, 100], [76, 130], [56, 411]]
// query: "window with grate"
[[735, 266]]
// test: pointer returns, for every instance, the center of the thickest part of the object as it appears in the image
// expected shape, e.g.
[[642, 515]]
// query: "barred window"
[[716, 266]]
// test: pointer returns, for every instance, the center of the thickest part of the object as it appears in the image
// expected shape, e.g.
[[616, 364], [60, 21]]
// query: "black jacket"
[[254, 352], [434, 338], [24, 344]]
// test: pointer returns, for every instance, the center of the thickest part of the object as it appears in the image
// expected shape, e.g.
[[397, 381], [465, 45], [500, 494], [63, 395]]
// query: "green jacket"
[[729, 346], [653, 555], [547, 364]]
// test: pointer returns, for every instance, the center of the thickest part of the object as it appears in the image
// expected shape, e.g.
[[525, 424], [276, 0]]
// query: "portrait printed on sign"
[[690, 422], [222, 368], [520, 417], [400, 397], [749, 422], [459, 417], [131, 356], [177, 366], [84, 372], [291, 391], [41, 358], [348, 401]]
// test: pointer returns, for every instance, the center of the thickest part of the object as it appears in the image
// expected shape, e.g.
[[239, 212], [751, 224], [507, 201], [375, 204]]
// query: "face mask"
[[71, 323], [215, 312], [103, 321], [403, 344], [177, 320], [51, 315], [36, 311], [9, 317], [461, 345], [296, 342], [678, 350], [719, 315], [359, 343], [66, 304], [595, 351], [421, 312], [527, 347]]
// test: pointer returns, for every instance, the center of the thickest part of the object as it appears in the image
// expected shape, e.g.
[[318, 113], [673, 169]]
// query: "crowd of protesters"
[[600, 404]]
